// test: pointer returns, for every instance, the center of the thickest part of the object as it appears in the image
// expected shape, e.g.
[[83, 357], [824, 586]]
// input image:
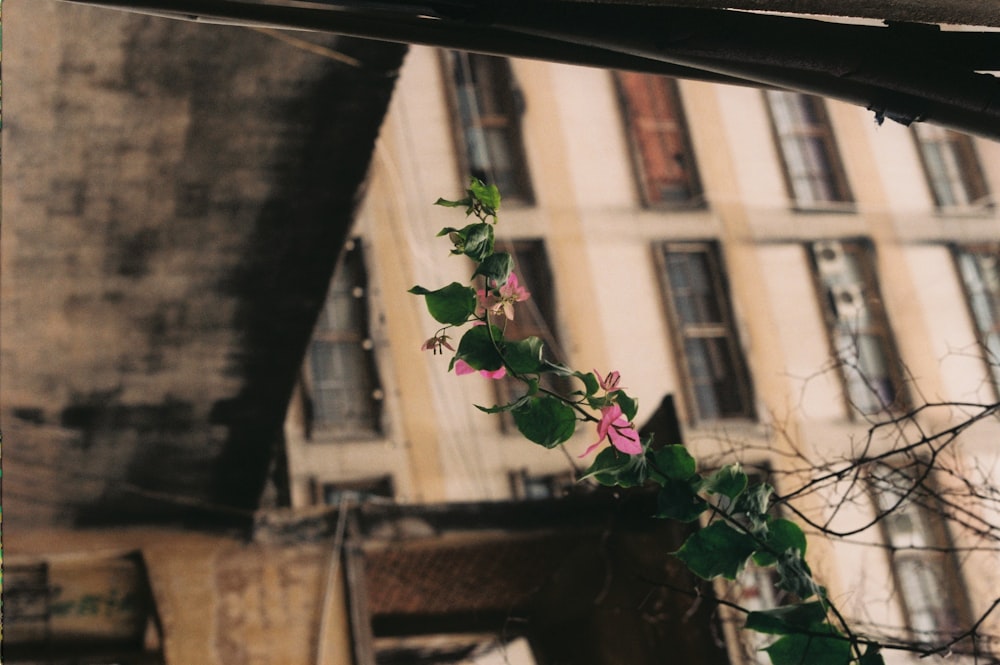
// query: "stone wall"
[[175, 197]]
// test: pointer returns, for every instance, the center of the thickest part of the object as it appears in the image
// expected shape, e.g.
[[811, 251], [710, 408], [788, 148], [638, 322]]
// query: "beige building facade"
[[791, 271]]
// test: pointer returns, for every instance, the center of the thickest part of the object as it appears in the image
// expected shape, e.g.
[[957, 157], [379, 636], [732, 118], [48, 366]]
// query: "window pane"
[[715, 371], [979, 268], [952, 167], [805, 140], [489, 119], [869, 380], [695, 293], [927, 577], [345, 393], [992, 345], [859, 329], [923, 589], [711, 369]]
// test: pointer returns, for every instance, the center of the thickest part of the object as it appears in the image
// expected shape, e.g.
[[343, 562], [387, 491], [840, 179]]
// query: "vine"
[[737, 524]]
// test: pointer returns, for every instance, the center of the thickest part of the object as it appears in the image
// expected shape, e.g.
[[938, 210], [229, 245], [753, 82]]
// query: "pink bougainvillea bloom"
[[618, 430], [610, 382], [502, 300], [436, 344], [510, 293], [462, 368], [495, 374], [485, 300]]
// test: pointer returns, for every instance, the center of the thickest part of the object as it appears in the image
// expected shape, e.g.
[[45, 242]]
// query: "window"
[[81, 610], [345, 396], [813, 170], [980, 270], [488, 109], [757, 586], [925, 570], [527, 486], [353, 491], [716, 376], [951, 165], [534, 317], [654, 120], [859, 328]]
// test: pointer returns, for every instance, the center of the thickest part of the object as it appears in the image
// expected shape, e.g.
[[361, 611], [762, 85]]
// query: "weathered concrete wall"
[[175, 196]]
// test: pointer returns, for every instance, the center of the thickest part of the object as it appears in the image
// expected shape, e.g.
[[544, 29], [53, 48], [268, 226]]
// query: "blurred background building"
[[212, 457], [790, 271]]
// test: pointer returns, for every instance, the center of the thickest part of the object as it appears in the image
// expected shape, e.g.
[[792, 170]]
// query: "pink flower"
[[436, 343], [510, 293], [503, 299], [462, 368], [618, 430], [486, 301], [610, 382]]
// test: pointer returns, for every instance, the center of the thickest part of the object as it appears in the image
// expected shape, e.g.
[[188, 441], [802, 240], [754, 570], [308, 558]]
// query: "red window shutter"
[[656, 128]]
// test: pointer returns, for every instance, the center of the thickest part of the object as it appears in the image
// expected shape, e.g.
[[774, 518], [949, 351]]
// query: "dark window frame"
[[960, 185], [876, 321], [528, 486], [666, 121], [359, 343], [537, 316], [353, 492], [989, 339], [724, 329], [833, 175], [916, 498], [483, 96]]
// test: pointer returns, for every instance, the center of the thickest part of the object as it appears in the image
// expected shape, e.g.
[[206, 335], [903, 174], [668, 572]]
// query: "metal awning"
[[904, 67]]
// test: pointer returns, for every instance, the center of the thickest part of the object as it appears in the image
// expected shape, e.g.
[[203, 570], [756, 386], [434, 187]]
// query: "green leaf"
[[451, 305], [729, 481], [524, 356], [781, 535], [478, 350], [629, 406], [487, 195], [872, 656], [678, 500], [673, 462], [479, 241], [462, 203], [500, 408], [549, 367], [475, 240], [496, 268], [613, 468], [590, 384], [545, 420], [794, 575], [811, 649], [718, 549], [754, 502], [787, 619]]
